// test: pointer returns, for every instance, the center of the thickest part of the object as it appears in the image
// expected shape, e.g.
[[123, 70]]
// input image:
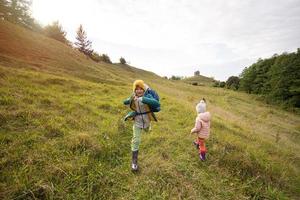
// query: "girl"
[[202, 128]]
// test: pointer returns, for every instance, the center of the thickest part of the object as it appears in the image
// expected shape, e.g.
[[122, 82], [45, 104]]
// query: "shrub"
[[56, 32], [175, 77], [233, 82], [96, 57], [216, 84], [105, 58], [222, 84], [123, 61]]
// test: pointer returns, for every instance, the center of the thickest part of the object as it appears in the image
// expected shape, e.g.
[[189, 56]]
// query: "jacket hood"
[[201, 107], [141, 84], [205, 116]]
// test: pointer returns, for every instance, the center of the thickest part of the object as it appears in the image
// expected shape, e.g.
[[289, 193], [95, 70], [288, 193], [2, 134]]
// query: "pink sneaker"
[[202, 156]]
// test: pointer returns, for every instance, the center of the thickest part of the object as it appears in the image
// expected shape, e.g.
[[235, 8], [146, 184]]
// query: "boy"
[[142, 102]]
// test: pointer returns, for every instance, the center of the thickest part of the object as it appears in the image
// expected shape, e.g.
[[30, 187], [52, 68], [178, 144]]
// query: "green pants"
[[136, 137]]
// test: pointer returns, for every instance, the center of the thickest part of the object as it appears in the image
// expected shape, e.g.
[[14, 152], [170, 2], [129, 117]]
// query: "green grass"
[[62, 135]]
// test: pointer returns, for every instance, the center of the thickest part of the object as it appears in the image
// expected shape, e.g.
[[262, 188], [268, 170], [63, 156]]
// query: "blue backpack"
[[154, 94]]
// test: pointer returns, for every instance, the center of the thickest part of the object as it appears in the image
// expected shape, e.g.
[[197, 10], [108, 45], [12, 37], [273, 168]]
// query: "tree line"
[[18, 12], [83, 44], [276, 79]]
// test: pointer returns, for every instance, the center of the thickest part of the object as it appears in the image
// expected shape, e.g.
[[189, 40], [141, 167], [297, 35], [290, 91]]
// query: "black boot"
[[134, 164]]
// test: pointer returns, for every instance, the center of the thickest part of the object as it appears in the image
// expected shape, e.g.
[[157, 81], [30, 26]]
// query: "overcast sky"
[[178, 37]]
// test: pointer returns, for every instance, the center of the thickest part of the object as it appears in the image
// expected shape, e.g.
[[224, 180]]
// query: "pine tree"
[[83, 44]]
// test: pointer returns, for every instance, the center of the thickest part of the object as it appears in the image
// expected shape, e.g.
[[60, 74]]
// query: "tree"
[[83, 44], [197, 73], [176, 78], [222, 84], [56, 32], [216, 84], [96, 57], [285, 79], [105, 58], [277, 78], [233, 82], [123, 61], [4, 9], [19, 13], [247, 78], [100, 58]]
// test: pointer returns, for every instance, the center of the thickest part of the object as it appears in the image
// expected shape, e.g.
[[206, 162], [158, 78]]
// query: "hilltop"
[[199, 80], [62, 135]]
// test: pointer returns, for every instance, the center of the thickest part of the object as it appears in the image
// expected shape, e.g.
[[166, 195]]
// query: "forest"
[[277, 79]]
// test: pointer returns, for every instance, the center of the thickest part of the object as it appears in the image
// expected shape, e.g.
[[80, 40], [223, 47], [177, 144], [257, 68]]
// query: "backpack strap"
[[142, 113]]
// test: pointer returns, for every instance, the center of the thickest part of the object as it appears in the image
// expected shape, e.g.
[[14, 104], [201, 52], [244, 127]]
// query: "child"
[[202, 128], [142, 103]]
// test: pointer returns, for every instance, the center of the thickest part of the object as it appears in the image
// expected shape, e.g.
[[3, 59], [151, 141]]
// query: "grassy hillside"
[[199, 80], [62, 134]]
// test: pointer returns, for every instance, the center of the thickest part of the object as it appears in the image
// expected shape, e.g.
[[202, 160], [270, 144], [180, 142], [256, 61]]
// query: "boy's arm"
[[127, 101], [197, 126]]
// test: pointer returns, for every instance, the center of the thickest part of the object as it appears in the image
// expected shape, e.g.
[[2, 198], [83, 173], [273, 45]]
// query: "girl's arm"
[[197, 126]]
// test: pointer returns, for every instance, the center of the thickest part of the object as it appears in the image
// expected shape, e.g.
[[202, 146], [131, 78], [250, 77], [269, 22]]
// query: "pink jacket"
[[202, 125]]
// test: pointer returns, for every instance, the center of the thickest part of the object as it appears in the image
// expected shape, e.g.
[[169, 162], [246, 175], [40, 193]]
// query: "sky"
[[177, 37]]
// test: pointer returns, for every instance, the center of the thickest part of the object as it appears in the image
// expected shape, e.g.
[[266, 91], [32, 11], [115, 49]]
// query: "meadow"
[[62, 133]]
